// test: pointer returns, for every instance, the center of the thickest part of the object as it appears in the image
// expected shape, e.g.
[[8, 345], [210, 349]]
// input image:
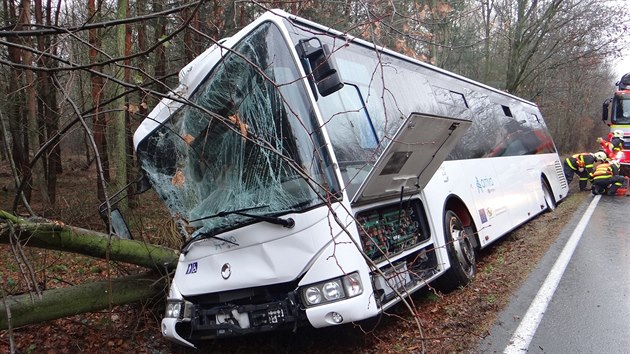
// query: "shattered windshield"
[[247, 141]]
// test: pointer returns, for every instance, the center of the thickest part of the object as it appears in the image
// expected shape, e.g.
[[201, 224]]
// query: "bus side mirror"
[[119, 225], [115, 217], [321, 65], [605, 111], [116, 220]]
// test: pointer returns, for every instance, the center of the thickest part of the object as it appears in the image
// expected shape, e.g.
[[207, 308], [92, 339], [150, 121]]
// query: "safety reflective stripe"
[[602, 171], [602, 177], [580, 161]]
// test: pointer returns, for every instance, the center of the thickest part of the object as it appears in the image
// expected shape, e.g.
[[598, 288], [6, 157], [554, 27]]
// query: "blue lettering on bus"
[[484, 184], [192, 268]]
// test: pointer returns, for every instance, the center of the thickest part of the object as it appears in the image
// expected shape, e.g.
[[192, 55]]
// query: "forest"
[[79, 77]]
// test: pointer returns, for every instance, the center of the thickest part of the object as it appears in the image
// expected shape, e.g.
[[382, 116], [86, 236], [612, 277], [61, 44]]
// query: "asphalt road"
[[578, 298]]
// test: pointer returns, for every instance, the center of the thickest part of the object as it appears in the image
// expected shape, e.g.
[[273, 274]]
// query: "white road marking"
[[527, 328]]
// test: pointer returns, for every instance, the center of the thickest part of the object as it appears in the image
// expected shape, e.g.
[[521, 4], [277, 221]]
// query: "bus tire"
[[461, 254], [550, 201]]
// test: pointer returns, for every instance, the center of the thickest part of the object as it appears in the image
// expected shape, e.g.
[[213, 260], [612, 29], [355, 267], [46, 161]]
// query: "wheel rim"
[[463, 247]]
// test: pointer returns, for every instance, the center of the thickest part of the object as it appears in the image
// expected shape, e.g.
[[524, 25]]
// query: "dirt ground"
[[431, 322]]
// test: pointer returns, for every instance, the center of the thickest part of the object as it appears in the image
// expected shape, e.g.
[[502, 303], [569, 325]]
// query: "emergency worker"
[[612, 147], [581, 164], [606, 179]]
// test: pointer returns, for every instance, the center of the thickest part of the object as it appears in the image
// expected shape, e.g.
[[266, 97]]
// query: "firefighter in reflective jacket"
[[612, 147], [606, 179], [582, 165]]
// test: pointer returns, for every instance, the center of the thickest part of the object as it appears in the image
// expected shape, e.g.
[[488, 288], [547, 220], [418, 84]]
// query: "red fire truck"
[[616, 113]]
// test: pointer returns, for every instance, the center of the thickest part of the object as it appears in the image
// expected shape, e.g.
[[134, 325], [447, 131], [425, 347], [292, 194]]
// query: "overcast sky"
[[623, 67], [623, 64]]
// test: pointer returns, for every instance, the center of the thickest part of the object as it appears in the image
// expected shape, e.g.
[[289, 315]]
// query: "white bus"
[[318, 178]]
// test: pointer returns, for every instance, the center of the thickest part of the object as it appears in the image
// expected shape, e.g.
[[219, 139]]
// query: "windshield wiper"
[[288, 222]]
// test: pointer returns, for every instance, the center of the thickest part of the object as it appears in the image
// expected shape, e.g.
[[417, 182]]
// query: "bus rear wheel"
[[461, 253]]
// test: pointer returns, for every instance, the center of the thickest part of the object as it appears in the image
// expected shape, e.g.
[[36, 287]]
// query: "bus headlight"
[[340, 288], [178, 309], [313, 295], [173, 309], [333, 290]]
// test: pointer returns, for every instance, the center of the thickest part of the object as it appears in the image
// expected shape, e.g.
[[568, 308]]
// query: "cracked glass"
[[246, 140]]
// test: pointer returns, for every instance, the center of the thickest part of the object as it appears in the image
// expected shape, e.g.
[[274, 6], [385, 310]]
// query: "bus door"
[[415, 152]]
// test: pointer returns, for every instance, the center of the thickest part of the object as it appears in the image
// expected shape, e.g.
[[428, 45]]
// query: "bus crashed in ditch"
[[319, 179]]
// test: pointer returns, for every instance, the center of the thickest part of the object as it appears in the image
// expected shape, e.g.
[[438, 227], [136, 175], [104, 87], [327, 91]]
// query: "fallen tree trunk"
[[56, 236], [30, 308], [27, 309]]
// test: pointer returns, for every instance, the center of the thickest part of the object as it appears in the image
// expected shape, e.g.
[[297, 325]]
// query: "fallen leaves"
[[234, 119], [188, 139], [178, 179]]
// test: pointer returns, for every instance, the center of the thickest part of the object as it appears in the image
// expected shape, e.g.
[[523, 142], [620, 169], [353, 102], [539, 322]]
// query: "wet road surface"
[[578, 298]]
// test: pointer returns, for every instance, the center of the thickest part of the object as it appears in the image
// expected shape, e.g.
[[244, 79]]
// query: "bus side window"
[[348, 124], [351, 133]]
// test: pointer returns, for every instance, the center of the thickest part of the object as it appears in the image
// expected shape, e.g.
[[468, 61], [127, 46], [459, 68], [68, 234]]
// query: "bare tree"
[[97, 85], [17, 117], [545, 35]]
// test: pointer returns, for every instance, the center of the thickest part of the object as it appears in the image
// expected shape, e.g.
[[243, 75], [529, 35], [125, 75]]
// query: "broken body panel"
[[317, 178]]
